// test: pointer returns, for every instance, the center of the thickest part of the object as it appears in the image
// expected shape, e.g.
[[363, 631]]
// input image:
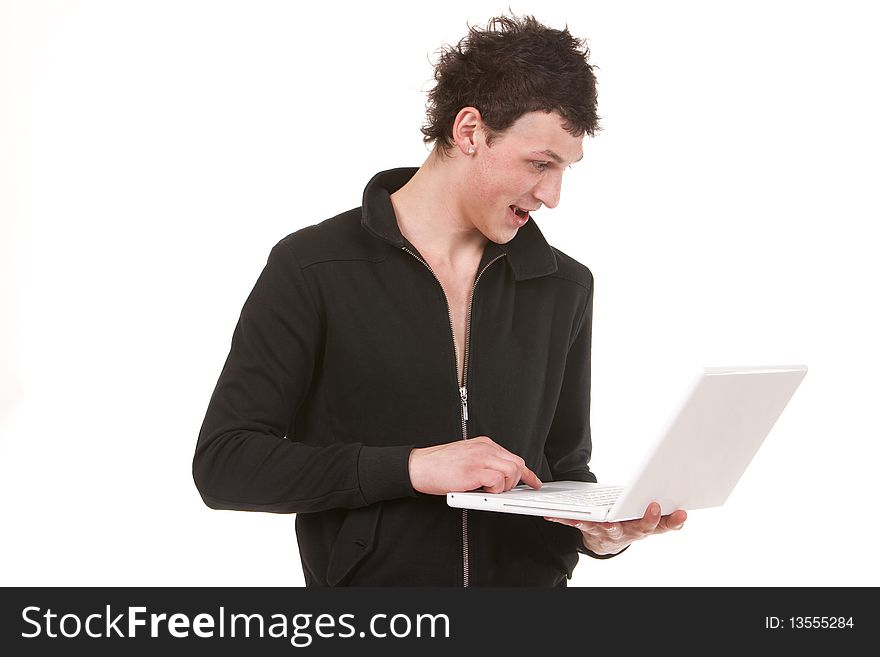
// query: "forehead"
[[542, 133]]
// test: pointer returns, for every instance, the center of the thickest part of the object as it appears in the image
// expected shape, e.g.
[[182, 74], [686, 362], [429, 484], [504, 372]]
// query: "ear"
[[467, 130]]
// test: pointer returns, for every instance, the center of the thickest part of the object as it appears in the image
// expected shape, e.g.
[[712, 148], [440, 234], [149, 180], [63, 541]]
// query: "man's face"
[[520, 172]]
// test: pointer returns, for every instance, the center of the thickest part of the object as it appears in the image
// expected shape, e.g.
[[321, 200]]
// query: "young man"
[[429, 341]]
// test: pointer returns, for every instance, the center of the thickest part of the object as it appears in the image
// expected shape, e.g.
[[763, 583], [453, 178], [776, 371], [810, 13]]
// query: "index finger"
[[526, 475], [530, 478]]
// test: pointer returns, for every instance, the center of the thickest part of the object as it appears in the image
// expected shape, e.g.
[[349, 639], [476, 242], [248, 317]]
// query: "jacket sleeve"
[[244, 459], [569, 444]]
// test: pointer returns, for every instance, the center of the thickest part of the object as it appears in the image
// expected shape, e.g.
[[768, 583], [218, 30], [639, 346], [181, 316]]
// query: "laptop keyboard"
[[604, 496]]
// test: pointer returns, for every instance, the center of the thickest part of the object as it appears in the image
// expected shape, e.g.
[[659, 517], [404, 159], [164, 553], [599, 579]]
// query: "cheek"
[[496, 185], [482, 186]]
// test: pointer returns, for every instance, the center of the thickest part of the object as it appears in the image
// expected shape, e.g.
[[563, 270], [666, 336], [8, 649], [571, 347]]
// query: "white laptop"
[[694, 464]]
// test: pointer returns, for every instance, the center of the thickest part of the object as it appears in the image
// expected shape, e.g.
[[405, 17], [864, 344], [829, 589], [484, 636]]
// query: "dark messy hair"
[[514, 66]]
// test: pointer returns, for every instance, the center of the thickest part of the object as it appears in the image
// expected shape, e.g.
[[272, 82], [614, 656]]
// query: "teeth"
[[520, 212]]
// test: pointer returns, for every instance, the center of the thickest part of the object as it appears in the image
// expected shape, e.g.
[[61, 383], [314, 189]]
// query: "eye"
[[540, 166]]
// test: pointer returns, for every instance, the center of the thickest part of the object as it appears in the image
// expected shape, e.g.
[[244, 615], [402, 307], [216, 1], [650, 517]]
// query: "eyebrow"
[[554, 156]]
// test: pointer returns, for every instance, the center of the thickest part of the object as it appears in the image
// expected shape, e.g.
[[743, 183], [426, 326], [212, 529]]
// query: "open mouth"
[[519, 212]]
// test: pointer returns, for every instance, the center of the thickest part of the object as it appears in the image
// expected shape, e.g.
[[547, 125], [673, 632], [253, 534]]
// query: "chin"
[[500, 235], [505, 237], [500, 232]]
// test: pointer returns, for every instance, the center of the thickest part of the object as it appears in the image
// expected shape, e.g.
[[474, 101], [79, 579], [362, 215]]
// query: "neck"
[[430, 214]]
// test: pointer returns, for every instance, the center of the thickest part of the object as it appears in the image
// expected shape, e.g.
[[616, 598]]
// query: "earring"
[[470, 150]]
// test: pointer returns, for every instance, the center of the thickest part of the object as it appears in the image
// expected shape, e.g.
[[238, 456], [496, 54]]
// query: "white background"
[[151, 154]]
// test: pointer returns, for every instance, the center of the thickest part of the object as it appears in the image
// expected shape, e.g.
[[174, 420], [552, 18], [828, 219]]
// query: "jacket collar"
[[529, 254]]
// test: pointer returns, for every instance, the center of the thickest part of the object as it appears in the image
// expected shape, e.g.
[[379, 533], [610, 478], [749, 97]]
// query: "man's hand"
[[612, 537], [468, 465]]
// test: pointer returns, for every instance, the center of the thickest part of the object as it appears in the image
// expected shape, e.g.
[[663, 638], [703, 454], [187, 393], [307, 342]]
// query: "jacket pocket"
[[356, 540]]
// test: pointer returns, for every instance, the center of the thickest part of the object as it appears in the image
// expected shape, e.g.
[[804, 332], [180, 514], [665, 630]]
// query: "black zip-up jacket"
[[343, 361]]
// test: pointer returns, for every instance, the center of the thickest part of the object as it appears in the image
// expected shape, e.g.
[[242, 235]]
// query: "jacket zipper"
[[461, 377]]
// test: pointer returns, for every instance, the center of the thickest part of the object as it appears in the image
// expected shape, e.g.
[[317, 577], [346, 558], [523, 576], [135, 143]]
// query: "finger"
[[523, 473], [530, 478], [579, 524], [651, 519], [490, 480], [498, 475], [612, 530], [507, 467], [586, 526], [512, 458], [674, 521]]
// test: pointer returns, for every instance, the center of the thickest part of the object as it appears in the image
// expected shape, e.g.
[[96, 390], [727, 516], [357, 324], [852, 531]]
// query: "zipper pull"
[[463, 391]]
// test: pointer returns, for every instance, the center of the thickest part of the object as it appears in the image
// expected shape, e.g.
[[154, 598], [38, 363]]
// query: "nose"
[[547, 191]]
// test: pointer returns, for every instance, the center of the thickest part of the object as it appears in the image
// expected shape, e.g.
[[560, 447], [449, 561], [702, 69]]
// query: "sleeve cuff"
[[584, 550], [383, 473]]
